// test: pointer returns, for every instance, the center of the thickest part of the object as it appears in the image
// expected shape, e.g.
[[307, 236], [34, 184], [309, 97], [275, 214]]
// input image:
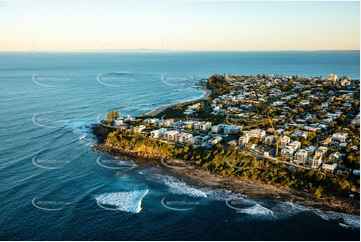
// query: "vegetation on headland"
[[238, 163]]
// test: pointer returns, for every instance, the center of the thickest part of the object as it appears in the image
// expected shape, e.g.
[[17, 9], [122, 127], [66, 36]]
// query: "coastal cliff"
[[210, 168]]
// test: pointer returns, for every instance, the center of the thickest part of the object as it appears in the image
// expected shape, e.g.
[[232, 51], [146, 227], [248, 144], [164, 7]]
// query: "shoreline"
[[207, 93], [199, 177]]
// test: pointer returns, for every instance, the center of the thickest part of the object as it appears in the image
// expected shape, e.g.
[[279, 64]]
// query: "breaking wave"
[[123, 201]]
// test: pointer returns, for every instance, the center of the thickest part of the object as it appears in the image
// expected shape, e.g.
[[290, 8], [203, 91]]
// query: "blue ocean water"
[[55, 188]]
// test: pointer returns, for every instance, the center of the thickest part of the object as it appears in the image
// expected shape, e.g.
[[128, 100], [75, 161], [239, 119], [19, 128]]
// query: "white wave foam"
[[256, 210], [123, 201], [83, 128], [350, 220], [286, 209], [178, 187]]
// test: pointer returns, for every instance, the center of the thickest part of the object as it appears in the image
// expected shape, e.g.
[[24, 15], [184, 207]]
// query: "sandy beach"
[[205, 97]]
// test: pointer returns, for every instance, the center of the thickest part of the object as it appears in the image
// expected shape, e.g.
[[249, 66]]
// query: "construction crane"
[[274, 131]]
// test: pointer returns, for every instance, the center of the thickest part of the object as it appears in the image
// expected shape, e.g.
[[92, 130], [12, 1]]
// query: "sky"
[[198, 26]]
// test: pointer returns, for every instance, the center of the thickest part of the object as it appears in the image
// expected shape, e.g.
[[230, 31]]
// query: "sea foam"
[[123, 201]]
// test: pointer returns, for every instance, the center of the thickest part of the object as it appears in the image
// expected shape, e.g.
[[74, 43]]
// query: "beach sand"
[[205, 97]]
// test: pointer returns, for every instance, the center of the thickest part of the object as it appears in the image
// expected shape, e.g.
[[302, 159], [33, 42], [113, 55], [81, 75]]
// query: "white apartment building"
[[300, 157], [157, 133], [284, 141], [170, 135]]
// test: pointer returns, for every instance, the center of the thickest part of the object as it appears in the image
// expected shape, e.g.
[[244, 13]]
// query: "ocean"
[[56, 188]]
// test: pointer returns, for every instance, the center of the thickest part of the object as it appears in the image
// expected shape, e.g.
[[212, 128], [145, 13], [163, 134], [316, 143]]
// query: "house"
[[217, 128], [118, 121], [168, 122], [340, 136], [300, 157], [332, 78], [129, 118], [244, 139], [356, 172], [205, 126], [152, 120], [329, 167], [326, 141], [158, 133], [170, 135], [138, 129], [215, 140]]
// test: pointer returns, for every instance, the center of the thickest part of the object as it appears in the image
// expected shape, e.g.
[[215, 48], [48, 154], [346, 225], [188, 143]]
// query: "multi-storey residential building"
[[244, 139], [270, 139], [258, 133], [183, 137], [170, 135], [284, 141], [157, 133], [295, 145], [300, 157]]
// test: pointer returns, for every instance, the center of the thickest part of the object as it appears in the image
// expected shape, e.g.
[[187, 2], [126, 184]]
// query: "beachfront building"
[[300, 157], [138, 129], [157, 133], [183, 137], [332, 78], [170, 135]]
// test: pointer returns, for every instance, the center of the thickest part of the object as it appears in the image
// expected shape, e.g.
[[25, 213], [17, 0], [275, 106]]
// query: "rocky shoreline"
[[204, 178]]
